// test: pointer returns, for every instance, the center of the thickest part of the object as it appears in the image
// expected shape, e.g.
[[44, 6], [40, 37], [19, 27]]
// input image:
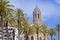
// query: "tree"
[[58, 30], [20, 18], [27, 29], [5, 7], [37, 30], [51, 32], [44, 30]]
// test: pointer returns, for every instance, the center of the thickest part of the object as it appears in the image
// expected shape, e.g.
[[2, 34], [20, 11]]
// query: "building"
[[37, 16], [11, 33], [36, 20]]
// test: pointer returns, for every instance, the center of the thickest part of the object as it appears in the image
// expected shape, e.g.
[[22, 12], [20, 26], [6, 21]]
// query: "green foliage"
[[58, 27], [52, 32], [27, 29], [5, 6], [6, 10], [44, 29], [37, 28]]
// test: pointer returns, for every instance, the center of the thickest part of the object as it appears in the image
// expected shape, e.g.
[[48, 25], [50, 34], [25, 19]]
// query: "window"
[[38, 16], [32, 38], [35, 15]]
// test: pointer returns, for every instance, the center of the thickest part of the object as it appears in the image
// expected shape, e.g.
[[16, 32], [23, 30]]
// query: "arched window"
[[32, 38], [40, 38], [35, 15], [38, 16]]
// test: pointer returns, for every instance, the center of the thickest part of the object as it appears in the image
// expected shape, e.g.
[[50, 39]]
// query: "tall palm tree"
[[37, 30], [51, 32], [1, 14], [4, 7], [6, 24], [27, 29], [44, 30], [58, 30], [20, 17]]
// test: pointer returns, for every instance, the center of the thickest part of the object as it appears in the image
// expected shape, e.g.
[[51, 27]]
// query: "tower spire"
[[36, 15], [36, 8]]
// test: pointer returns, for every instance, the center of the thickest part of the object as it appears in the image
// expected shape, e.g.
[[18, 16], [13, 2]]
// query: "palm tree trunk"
[[19, 24], [2, 24], [44, 37], [51, 38], [58, 35], [7, 30], [37, 36], [18, 34], [26, 36]]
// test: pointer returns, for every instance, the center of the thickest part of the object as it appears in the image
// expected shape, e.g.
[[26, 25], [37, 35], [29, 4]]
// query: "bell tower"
[[36, 15]]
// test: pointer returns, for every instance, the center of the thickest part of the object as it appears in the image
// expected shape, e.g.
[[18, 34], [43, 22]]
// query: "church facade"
[[36, 20]]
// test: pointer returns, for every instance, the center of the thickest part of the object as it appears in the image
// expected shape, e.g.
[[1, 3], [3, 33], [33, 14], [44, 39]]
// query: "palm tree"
[[5, 7], [6, 24], [51, 32], [27, 29], [37, 30], [1, 14], [44, 30], [58, 30], [20, 18]]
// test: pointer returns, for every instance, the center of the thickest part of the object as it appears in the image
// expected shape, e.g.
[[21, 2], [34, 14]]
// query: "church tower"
[[36, 15]]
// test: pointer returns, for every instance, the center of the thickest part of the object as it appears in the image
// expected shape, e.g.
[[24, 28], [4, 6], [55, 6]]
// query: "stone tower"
[[36, 20], [36, 15]]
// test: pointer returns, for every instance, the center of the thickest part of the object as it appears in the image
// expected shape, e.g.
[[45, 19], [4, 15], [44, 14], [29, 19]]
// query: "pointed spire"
[[36, 8]]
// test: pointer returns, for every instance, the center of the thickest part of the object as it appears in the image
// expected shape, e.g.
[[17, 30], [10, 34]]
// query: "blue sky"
[[50, 10]]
